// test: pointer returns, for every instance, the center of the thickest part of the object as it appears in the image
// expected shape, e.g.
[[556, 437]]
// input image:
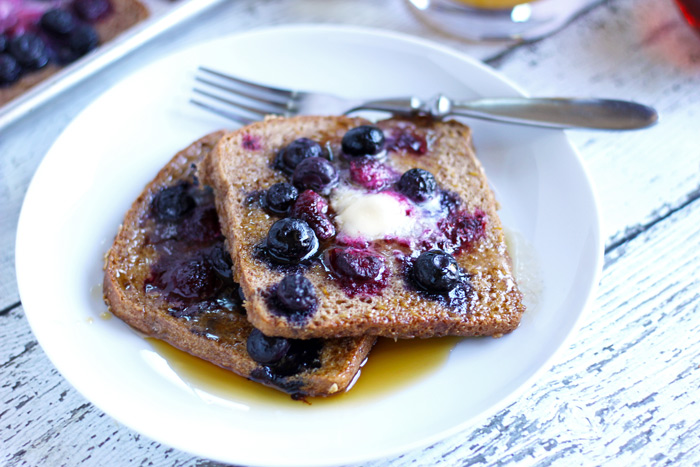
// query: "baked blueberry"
[[359, 271], [4, 40], [194, 279], [91, 10], [280, 197], [266, 350], [418, 185], [172, 203], [10, 70], [221, 262], [371, 173], [436, 271], [302, 355], [296, 293], [315, 173], [407, 139], [29, 51], [313, 208], [291, 155], [83, 39], [365, 140], [58, 22], [291, 240], [356, 264]]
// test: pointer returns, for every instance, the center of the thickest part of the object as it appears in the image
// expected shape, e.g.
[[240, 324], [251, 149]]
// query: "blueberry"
[[193, 279], [221, 262], [291, 241], [296, 293], [83, 39], [266, 350], [91, 10], [418, 185], [291, 155], [357, 264], [10, 70], [172, 203], [436, 271], [280, 197], [302, 355], [4, 40], [366, 140], [58, 22], [313, 208], [29, 51], [315, 173]]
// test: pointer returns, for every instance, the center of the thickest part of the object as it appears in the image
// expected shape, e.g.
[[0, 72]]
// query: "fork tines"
[[237, 99]]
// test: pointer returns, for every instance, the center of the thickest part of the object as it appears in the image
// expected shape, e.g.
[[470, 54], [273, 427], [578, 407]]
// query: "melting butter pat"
[[371, 216]]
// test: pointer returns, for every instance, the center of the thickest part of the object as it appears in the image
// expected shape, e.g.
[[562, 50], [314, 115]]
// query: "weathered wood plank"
[[627, 49], [44, 421], [624, 391]]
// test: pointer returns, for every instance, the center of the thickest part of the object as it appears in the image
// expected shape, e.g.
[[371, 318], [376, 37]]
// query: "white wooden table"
[[623, 393]]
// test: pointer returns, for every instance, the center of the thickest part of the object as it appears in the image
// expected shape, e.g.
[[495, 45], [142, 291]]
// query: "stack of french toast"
[[283, 249]]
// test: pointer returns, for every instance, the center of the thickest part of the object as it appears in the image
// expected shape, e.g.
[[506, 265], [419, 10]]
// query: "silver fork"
[[246, 102]]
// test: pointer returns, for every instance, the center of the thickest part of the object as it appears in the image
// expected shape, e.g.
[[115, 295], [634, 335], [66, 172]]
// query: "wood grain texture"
[[627, 49]]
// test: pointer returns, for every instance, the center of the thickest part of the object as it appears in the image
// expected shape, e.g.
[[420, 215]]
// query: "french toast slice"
[[393, 228], [168, 275], [122, 15]]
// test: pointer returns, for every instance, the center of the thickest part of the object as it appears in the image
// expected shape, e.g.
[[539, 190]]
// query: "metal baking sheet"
[[164, 14]]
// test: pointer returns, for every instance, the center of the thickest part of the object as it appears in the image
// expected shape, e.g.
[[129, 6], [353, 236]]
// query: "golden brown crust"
[[128, 265], [125, 14], [235, 170]]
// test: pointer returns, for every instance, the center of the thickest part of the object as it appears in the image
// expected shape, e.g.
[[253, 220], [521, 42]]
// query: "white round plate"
[[98, 166]]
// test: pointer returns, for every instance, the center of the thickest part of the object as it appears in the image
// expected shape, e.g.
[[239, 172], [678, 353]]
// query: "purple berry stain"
[[372, 174], [406, 138], [313, 208], [251, 142], [462, 228], [192, 269], [359, 271]]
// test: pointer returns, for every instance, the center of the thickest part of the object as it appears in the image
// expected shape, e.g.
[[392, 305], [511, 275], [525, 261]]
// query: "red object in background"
[[691, 11]]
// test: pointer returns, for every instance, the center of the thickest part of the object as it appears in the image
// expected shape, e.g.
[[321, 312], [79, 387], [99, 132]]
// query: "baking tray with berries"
[[46, 46]]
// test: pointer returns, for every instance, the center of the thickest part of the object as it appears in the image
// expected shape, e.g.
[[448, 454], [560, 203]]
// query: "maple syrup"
[[691, 12], [393, 365]]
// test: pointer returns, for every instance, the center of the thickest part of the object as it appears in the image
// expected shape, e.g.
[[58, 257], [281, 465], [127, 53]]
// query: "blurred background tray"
[[164, 14]]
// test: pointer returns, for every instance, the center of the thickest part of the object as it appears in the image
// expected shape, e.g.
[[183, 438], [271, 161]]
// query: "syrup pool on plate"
[[391, 366]]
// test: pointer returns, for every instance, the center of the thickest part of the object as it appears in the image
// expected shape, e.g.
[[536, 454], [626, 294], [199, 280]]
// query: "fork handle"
[[601, 114]]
